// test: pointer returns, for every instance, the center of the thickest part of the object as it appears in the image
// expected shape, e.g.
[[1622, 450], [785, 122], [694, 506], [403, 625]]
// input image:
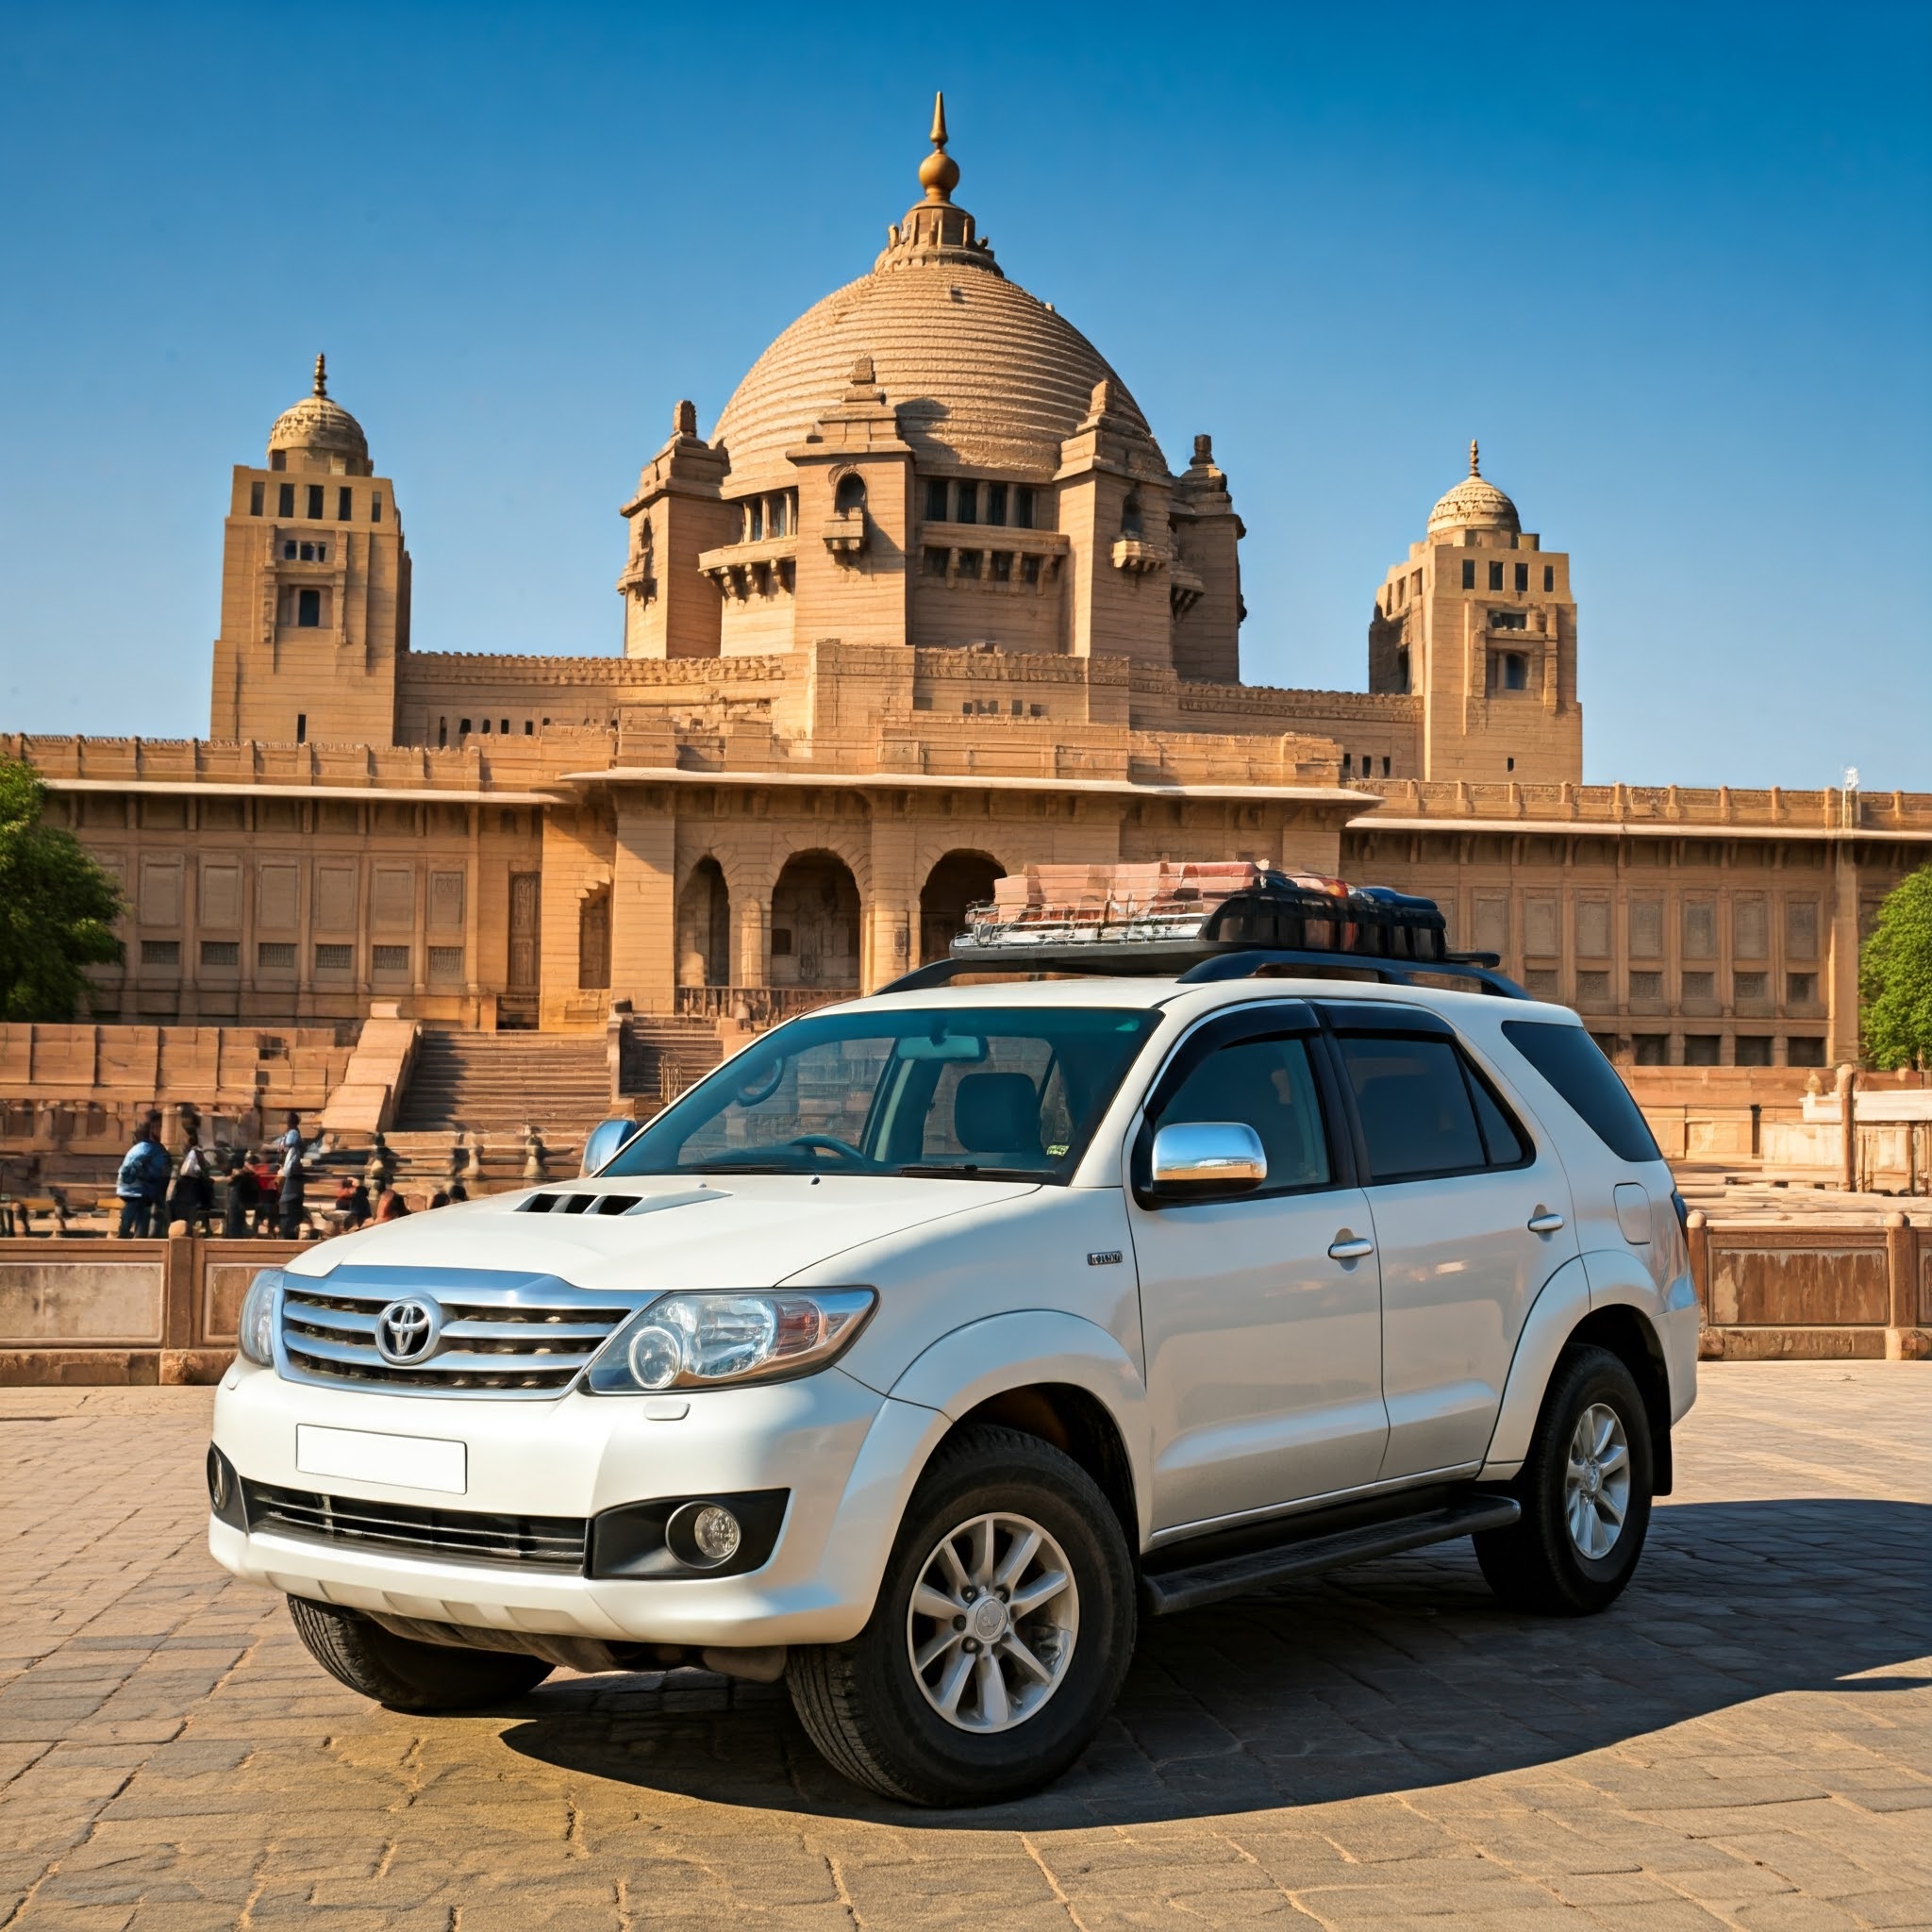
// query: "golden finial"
[[321, 376], [1475, 467], [938, 174]]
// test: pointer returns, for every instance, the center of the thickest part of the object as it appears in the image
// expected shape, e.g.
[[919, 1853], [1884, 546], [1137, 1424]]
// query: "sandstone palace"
[[928, 602]]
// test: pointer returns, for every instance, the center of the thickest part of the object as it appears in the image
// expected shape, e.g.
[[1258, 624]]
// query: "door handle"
[[1543, 1222], [1350, 1247]]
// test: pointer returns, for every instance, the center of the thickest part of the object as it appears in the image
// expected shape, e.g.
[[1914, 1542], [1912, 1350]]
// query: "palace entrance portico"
[[710, 894]]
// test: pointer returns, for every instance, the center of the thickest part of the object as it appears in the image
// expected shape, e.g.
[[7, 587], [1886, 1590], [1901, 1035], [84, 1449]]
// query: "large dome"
[[1474, 504], [983, 375], [319, 424]]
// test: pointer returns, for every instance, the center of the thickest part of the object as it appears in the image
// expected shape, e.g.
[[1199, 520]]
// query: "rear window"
[[1573, 1064]]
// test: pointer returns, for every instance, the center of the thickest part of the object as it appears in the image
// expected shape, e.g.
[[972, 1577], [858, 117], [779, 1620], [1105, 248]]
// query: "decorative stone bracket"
[[845, 535], [1137, 558]]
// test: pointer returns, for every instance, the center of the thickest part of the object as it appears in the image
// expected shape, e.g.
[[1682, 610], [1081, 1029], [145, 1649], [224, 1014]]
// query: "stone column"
[[643, 916], [892, 917], [1841, 960]]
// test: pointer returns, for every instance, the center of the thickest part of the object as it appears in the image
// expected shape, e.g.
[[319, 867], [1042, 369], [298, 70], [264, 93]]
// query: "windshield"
[[988, 1093]]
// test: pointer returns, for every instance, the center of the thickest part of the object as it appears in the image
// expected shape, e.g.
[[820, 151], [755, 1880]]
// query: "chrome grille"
[[502, 1335], [460, 1536]]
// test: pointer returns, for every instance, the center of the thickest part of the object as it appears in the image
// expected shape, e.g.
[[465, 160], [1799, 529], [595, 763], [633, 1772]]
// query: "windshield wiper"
[[974, 1172]]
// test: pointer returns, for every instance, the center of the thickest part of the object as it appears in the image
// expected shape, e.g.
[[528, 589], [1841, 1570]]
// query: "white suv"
[[936, 1336]]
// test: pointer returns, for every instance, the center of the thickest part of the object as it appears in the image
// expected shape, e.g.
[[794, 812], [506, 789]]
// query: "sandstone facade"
[[929, 604]]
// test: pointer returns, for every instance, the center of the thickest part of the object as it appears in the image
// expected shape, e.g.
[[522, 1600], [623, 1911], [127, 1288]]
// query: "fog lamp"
[[715, 1531]]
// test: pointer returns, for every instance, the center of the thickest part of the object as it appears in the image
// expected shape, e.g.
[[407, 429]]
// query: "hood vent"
[[582, 1203]]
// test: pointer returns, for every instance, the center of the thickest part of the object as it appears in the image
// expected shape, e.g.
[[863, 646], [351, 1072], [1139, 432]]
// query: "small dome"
[[1474, 504], [319, 425]]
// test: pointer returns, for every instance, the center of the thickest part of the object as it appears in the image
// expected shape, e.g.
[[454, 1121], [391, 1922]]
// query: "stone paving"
[[1745, 1740]]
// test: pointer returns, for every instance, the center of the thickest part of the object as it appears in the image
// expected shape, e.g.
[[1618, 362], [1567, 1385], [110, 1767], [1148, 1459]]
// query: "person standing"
[[243, 1196], [289, 1195], [194, 1189], [141, 1183]]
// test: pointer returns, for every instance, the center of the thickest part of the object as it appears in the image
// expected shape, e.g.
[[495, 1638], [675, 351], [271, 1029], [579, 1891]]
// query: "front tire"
[[407, 1676], [1585, 1489], [1003, 1629]]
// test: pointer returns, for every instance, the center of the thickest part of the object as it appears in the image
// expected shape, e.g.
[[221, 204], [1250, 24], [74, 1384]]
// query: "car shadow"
[[1398, 1675]]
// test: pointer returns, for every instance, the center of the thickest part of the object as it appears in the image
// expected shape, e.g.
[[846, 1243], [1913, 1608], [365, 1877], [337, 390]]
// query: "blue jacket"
[[144, 1170]]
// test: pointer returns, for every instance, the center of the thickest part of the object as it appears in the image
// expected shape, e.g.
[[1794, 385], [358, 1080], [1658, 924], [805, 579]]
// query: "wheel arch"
[[1075, 1421], [1623, 1329]]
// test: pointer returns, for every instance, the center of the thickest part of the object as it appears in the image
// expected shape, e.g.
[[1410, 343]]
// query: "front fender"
[[1025, 1349]]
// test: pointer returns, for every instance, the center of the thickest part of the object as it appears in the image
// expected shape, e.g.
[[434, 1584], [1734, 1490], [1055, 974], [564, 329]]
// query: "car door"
[[1260, 1310], [1471, 1218]]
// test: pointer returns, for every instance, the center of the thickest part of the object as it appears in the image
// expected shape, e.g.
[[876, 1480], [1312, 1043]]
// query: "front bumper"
[[847, 1456]]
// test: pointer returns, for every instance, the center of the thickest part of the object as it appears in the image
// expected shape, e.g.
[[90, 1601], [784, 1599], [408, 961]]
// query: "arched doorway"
[[959, 880], [815, 922], [704, 926]]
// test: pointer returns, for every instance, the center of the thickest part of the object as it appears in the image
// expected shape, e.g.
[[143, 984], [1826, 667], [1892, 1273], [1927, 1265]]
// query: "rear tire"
[[1585, 1489], [406, 1675], [1015, 1682]]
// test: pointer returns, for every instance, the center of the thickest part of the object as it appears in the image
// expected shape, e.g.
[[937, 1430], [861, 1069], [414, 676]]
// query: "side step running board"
[[1206, 1583]]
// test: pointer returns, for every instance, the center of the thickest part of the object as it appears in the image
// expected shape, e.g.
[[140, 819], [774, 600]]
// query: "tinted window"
[[1416, 1114], [1501, 1135], [1267, 1085], [1573, 1064]]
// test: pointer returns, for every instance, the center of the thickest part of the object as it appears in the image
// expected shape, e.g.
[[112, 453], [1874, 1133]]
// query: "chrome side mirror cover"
[[603, 1140], [1207, 1157]]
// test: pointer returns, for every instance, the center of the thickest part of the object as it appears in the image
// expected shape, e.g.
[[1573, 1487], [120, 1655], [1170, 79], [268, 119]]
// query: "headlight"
[[255, 1331], [704, 1341]]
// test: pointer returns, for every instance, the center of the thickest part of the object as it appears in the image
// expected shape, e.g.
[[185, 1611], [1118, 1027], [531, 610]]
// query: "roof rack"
[[1204, 920]]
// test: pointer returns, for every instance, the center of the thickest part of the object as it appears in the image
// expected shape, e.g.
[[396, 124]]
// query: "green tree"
[[57, 907], [1895, 977]]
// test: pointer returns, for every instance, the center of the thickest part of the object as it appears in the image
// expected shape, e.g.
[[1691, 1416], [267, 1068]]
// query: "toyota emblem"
[[408, 1331]]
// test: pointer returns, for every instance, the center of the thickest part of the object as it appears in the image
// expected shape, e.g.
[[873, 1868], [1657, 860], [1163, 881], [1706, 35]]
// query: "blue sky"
[[1672, 265]]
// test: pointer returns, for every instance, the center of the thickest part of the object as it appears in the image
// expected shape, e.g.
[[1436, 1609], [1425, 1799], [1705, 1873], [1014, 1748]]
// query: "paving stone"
[[1745, 1740]]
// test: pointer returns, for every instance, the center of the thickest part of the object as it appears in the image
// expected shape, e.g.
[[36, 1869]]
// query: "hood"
[[708, 1231]]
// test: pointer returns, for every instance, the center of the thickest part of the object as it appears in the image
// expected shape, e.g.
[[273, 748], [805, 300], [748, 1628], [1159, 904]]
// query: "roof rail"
[[1199, 963]]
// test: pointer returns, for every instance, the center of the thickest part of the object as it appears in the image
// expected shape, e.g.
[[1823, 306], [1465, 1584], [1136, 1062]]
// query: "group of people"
[[263, 1191]]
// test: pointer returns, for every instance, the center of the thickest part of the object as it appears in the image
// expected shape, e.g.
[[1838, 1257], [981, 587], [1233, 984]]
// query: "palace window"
[[221, 952], [935, 501], [967, 499], [1508, 620], [1751, 986], [1754, 1049], [1522, 578], [1700, 986], [278, 459], [1346, 759], [1593, 988], [996, 503], [1543, 982], [1549, 577], [1652, 1049], [308, 609], [1802, 1051], [315, 503], [290, 550], [1701, 1049], [442, 732], [275, 956], [1801, 989], [1033, 570], [160, 952], [334, 955], [1385, 766], [256, 494], [1023, 507], [464, 728], [849, 498], [530, 727], [1001, 566], [301, 728], [285, 500], [1512, 671], [485, 727], [375, 507], [755, 520], [391, 961], [1646, 986], [445, 962], [345, 504], [935, 563], [1468, 573], [1496, 576], [1402, 668], [1131, 515], [969, 561]]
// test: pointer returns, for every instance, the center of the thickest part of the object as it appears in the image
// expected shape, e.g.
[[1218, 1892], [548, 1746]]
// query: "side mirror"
[[1207, 1157], [603, 1140]]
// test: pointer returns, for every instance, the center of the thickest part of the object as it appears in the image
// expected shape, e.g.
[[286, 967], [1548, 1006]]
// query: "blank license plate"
[[409, 1462]]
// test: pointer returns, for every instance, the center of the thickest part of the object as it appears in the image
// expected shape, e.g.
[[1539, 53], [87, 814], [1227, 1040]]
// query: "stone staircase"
[[663, 1055], [494, 1083]]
